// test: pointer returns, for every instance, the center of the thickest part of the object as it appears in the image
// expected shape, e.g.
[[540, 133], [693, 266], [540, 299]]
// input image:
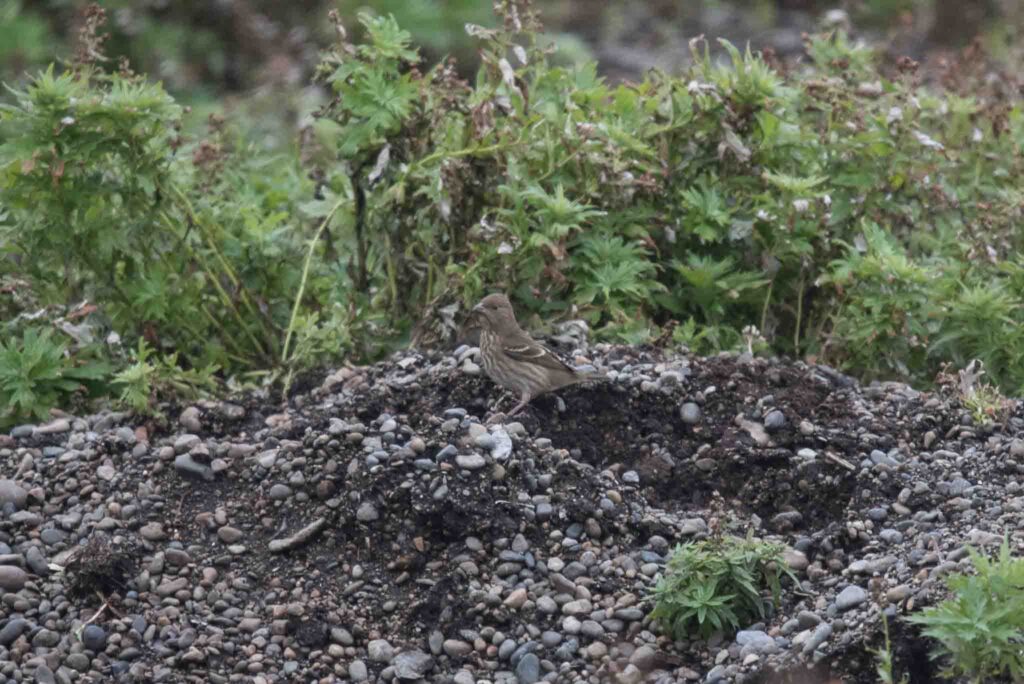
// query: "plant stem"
[[764, 309], [305, 277], [799, 315]]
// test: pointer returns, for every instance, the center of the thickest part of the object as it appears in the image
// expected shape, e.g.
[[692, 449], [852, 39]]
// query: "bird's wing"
[[523, 348]]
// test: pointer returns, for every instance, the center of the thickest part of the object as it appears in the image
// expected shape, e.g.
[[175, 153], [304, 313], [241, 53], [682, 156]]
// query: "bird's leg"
[[524, 399]]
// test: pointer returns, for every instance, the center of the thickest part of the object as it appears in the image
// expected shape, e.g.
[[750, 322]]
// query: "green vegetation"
[[884, 667], [719, 584], [980, 629], [832, 213]]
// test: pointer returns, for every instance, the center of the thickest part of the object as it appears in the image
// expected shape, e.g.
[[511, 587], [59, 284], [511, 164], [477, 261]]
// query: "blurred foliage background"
[[205, 49]]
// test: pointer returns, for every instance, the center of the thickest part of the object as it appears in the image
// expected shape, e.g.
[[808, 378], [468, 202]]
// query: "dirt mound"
[[378, 527]]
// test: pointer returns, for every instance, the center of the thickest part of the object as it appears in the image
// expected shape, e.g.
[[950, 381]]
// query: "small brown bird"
[[512, 358]]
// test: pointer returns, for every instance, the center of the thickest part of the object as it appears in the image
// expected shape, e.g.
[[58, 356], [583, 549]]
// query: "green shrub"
[[720, 584], [837, 212], [980, 629], [836, 215], [37, 374]]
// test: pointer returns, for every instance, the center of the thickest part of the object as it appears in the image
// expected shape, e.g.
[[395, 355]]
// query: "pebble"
[[12, 578], [690, 413], [12, 493], [851, 597], [94, 637], [528, 669], [380, 651], [470, 461]]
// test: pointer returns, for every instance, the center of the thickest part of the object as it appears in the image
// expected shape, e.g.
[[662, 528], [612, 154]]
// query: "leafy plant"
[[718, 584], [980, 629], [985, 403], [149, 378], [885, 668], [37, 374]]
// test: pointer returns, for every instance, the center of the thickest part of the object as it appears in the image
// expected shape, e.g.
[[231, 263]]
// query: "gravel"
[[377, 528]]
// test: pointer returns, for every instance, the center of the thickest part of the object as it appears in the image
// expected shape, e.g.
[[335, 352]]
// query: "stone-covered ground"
[[377, 529]]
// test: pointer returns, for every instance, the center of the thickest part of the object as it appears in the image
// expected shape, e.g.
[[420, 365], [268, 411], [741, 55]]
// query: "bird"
[[513, 359]]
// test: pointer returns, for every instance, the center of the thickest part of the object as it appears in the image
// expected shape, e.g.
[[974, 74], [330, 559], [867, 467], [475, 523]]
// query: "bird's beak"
[[478, 308]]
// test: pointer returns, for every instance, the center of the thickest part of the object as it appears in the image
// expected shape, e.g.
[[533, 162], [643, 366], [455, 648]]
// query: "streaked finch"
[[514, 360]]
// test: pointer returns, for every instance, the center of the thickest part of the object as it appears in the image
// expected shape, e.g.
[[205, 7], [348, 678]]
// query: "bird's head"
[[494, 312]]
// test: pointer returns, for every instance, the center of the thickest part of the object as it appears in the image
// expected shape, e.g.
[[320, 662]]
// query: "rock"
[[755, 642], [693, 526], [186, 465], [412, 665], [190, 419], [516, 599], [94, 637], [528, 669], [690, 413], [380, 651], [12, 493], [357, 671], [851, 597], [12, 578], [44, 675], [230, 535], [367, 512], [796, 560], [775, 420], [45, 638], [645, 658], [820, 634], [12, 629], [471, 461], [152, 532], [456, 648], [280, 492]]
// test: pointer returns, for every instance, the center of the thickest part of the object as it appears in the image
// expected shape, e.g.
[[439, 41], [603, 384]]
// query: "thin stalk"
[[764, 309], [305, 277], [228, 271], [228, 301], [799, 316]]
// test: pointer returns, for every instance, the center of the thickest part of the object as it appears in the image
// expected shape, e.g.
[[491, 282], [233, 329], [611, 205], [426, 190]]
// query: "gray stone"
[[818, 637], [366, 512], [357, 671], [188, 466], [528, 669], [13, 493], [190, 419], [690, 413], [380, 651], [851, 597], [94, 637], [755, 641], [44, 675], [775, 420], [12, 578], [412, 664], [45, 638], [472, 461], [12, 630], [280, 492]]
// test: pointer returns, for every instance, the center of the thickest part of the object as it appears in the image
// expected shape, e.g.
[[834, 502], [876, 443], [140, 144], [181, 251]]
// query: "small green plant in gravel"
[[980, 629], [37, 374], [885, 667], [718, 584], [983, 401], [149, 378]]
